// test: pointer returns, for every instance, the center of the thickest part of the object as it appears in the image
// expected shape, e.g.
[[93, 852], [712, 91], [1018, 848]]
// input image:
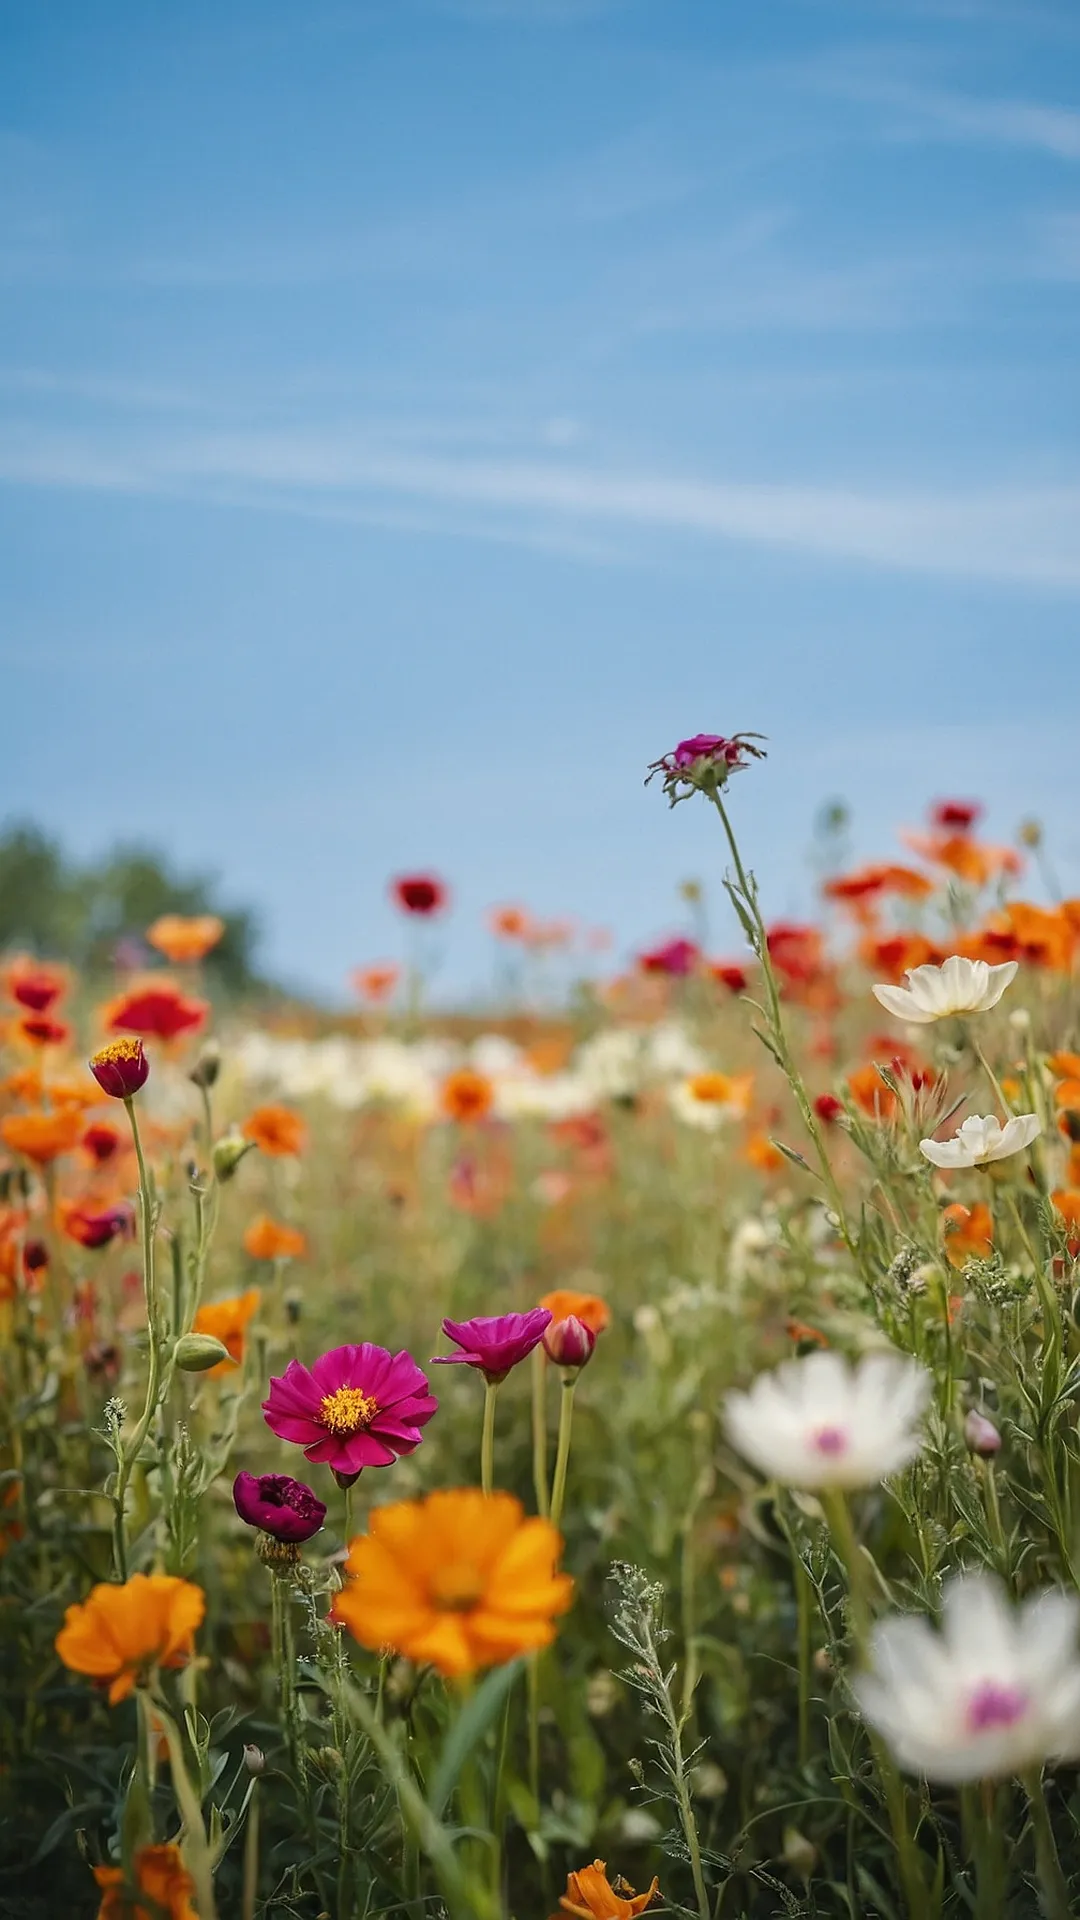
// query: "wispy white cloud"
[[1029, 536], [931, 112]]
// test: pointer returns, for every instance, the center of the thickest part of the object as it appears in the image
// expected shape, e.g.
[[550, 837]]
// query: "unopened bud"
[[1030, 833], [799, 1852], [254, 1760], [228, 1153], [294, 1301], [569, 1342], [195, 1352], [207, 1066], [981, 1436]]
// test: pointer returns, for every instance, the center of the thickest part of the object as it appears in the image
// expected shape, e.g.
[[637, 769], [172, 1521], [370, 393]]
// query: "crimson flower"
[[94, 1230], [120, 1068], [728, 973], [355, 1407], [828, 1108], [494, 1342], [704, 763], [35, 987], [420, 893], [285, 1509], [158, 1012], [676, 958], [955, 816]]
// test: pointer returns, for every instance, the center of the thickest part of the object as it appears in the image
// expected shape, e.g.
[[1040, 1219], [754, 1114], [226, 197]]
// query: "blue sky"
[[415, 416]]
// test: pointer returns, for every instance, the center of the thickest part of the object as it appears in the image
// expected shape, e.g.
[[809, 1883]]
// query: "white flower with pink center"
[[825, 1422], [994, 1692]]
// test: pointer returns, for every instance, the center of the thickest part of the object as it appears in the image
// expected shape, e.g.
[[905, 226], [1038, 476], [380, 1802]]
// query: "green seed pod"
[[228, 1153], [195, 1352]]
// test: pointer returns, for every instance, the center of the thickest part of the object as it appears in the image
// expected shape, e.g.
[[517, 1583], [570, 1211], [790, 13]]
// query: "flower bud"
[[293, 1302], [228, 1153], [569, 1342], [799, 1852], [254, 1760], [278, 1505], [981, 1436], [207, 1066], [121, 1067], [195, 1352]]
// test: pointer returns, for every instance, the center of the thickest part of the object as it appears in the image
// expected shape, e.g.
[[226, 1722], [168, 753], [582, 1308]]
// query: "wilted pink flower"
[[355, 1407], [704, 763], [495, 1342], [286, 1509]]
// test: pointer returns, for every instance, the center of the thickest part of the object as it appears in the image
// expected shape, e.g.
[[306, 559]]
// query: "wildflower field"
[[610, 1457]]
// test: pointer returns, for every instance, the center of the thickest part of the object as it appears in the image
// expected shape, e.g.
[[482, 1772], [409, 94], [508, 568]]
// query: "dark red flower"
[[43, 1031], [157, 1012], [284, 1508], [120, 1068], [828, 1108], [35, 987], [728, 973], [420, 893], [102, 1141], [956, 816], [93, 1230]]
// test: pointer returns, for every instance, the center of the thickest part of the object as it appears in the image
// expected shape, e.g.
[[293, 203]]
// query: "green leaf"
[[468, 1730]]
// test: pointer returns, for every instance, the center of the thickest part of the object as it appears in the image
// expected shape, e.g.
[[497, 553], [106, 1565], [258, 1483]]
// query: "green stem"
[[487, 1439], [195, 1847], [539, 1428], [1047, 1863], [129, 1452], [802, 1606], [250, 1891], [562, 1451]]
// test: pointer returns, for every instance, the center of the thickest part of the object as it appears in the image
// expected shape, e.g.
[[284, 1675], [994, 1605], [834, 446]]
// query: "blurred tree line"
[[57, 909]]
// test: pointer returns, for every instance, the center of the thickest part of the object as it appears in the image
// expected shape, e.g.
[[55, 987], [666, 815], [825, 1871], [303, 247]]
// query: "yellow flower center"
[[347, 1410], [125, 1048], [457, 1588]]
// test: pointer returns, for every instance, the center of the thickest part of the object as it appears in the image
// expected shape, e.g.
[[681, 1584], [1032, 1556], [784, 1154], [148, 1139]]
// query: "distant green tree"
[[62, 910]]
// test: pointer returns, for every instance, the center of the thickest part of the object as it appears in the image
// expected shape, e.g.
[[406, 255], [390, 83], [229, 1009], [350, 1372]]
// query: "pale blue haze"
[[414, 417]]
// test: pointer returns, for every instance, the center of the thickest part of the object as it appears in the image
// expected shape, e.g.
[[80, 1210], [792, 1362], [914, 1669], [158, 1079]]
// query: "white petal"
[[904, 1005], [997, 979], [947, 1153]]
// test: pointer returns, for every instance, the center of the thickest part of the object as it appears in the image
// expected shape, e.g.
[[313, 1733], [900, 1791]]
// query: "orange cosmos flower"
[[590, 1895], [227, 1321], [969, 1233], [276, 1131], [184, 940], [461, 1580], [466, 1096], [762, 1155], [1067, 1203], [42, 1136], [25, 1083], [1067, 1094], [376, 983], [1042, 936], [593, 1312], [266, 1239], [891, 955], [1065, 1066], [161, 1889], [969, 859], [510, 923], [120, 1634]]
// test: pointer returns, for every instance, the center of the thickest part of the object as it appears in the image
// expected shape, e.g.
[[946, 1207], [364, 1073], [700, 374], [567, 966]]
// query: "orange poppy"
[[1067, 1203], [1067, 1094], [376, 983], [277, 1131], [593, 1312], [161, 1889], [227, 1321], [968, 1233], [969, 859], [466, 1096], [459, 1581], [120, 1634], [266, 1239], [183, 940], [42, 1136], [590, 1895], [1065, 1066]]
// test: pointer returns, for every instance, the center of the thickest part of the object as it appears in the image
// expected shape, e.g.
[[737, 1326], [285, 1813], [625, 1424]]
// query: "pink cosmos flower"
[[495, 1342], [677, 958], [355, 1407], [704, 763]]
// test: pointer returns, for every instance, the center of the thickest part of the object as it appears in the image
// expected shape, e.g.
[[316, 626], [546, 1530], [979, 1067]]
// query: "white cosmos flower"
[[981, 1140], [821, 1422], [995, 1692], [957, 986]]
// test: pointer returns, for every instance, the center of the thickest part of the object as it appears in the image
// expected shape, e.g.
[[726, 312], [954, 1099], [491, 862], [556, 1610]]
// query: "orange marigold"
[[460, 1580], [120, 1634], [591, 1896], [467, 1095], [593, 1312], [161, 1889], [266, 1239], [276, 1131], [183, 940], [227, 1321], [42, 1136]]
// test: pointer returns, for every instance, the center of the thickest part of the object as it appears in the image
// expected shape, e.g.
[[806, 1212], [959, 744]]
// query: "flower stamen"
[[347, 1411]]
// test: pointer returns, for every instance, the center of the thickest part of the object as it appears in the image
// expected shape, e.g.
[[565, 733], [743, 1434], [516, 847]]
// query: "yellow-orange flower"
[[119, 1634], [467, 1095], [731, 1090], [266, 1239], [184, 940], [593, 1312], [1066, 1201], [227, 1321], [42, 1136], [161, 1890], [761, 1154], [276, 1131], [458, 1581], [969, 1233], [590, 1896]]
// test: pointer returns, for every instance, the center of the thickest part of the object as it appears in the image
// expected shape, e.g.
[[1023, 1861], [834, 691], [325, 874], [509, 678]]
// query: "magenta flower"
[[286, 1509], [704, 763], [355, 1407], [495, 1342], [676, 957]]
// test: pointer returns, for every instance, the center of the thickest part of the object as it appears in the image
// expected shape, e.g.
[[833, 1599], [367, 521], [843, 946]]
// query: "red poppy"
[[956, 816], [420, 893], [34, 986], [728, 973], [159, 1011]]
